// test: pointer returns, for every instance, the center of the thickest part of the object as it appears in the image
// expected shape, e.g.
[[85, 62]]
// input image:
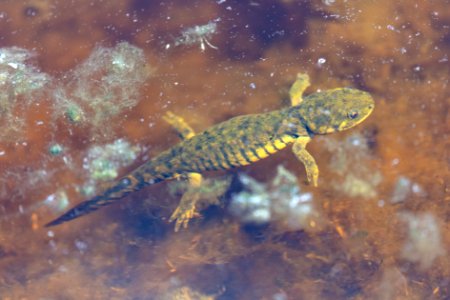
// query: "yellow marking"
[[287, 139], [269, 148], [224, 159], [261, 152], [251, 156], [342, 125], [224, 163], [241, 160], [278, 144], [195, 179], [215, 163], [312, 127]]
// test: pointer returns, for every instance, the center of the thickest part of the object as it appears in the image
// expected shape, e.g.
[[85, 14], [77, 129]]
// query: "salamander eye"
[[352, 115]]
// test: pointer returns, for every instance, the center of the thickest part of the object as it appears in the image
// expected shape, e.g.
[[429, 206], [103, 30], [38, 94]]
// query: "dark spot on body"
[[245, 140]]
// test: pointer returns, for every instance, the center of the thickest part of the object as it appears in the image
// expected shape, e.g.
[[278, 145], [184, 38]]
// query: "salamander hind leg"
[[198, 189], [298, 87], [186, 211], [199, 192], [299, 149]]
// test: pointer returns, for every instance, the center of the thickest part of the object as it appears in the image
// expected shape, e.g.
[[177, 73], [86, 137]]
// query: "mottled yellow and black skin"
[[241, 141]]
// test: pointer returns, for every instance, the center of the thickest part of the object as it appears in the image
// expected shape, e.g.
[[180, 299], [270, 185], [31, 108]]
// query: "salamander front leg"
[[298, 87], [299, 149]]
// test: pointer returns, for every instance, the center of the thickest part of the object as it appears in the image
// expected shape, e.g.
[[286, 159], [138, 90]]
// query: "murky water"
[[85, 85]]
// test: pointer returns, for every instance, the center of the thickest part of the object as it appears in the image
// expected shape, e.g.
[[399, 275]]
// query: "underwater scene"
[[224, 149]]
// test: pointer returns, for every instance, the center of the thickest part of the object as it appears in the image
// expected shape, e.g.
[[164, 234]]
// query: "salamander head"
[[335, 110]]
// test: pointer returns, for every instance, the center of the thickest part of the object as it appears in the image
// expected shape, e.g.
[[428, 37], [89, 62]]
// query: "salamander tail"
[[79, 210], [150, 173], [119, 191]]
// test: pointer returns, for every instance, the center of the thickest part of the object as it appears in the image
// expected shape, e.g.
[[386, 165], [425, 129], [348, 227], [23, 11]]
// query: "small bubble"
[[390, 27], [81, 246], [252, 85], [321, 61]]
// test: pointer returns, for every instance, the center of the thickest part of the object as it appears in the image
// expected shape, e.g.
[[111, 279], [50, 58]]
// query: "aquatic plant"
[[105, 85], [21, 86]]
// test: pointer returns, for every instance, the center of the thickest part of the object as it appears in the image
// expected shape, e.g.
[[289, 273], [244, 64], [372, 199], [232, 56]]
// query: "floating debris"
[[253, 204], [186, 293], [405, 187], [199, 34], [55, 149], [350, 160], [57, 201], [424, 241], [280, 201]]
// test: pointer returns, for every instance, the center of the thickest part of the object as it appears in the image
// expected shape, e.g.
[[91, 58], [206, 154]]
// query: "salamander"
[[238, 142]]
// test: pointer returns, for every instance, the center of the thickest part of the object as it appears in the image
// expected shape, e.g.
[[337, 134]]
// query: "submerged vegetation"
[[22, 88], [84, 86], [106, 84]]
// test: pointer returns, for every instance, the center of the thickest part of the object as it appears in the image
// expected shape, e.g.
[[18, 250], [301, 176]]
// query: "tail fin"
[[122, 188]]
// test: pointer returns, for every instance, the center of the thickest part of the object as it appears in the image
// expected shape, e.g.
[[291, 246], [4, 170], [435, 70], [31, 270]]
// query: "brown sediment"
[[398, 52]]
